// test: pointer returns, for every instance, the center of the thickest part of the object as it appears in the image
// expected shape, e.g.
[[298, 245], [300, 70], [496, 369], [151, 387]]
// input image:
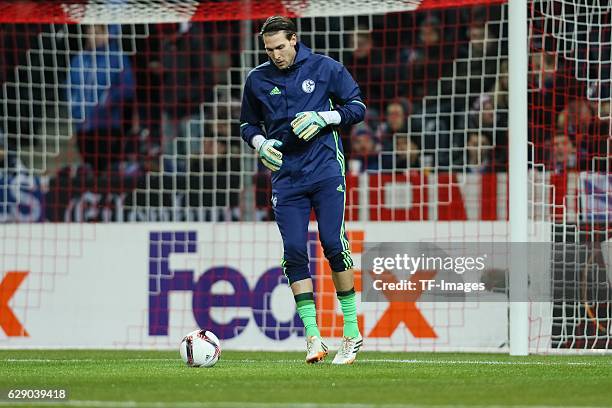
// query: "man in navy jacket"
[[291, 108]]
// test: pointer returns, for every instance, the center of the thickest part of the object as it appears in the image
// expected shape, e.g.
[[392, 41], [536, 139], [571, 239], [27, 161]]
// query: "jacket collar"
[[303, 52]]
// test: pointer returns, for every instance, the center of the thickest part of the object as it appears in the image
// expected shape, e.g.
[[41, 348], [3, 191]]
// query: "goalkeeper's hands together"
[[307, 125], [270, 156]]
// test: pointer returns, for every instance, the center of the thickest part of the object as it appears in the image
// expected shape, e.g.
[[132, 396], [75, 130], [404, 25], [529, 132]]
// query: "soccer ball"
[[200, 348]]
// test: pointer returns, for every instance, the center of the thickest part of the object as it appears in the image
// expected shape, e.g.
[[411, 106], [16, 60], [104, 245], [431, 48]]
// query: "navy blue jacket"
[[272, 97]]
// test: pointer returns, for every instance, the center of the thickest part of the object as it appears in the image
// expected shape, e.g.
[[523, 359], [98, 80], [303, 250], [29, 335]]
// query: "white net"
[[126, 114]]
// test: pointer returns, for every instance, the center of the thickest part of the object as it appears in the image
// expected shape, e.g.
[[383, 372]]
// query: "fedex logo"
[[163, 281], [9, 323]]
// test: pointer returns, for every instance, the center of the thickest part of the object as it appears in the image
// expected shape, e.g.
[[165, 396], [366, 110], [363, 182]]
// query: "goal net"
[[132, 209]]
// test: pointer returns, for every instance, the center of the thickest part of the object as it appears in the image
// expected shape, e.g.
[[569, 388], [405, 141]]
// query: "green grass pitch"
[[266, 379]]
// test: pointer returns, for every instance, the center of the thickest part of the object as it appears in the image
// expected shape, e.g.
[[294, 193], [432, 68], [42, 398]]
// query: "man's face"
[[396, 116], [211, 148], [404, 146], [280, 50], [476, 33], [363, 45], [97, 36], [362, 144], [488, 113], [478, 148], [429, 35]]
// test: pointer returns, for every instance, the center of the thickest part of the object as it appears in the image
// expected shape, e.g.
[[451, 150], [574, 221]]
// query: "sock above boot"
[[308, 313], [349, 310]]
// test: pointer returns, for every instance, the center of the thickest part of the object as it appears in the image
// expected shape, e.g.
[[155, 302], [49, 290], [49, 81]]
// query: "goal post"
[[517, 171]]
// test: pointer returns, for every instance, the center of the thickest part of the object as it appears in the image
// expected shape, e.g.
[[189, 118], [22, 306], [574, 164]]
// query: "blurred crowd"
[[165, 98]]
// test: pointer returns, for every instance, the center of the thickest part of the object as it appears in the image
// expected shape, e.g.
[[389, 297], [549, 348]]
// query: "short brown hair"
[[275, 24]]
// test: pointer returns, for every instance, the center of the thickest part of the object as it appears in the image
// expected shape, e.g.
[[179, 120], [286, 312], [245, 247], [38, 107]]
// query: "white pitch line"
[[479, 362], [81, 360], [237, 404], [48, 360], [282, 361]]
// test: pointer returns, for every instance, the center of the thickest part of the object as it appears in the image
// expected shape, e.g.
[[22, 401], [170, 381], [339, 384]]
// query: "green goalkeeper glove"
[[270, 156], [306, 125]]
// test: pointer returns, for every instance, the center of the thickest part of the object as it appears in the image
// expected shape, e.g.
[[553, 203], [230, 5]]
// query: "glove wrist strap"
[[331, 117], [257, 141]]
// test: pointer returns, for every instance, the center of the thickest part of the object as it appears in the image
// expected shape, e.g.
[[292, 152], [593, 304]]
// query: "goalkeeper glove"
[[269, 155], [306, 125]]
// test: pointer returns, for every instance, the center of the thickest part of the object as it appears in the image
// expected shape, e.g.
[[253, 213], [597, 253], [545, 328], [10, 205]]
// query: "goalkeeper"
[[300, 98]]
